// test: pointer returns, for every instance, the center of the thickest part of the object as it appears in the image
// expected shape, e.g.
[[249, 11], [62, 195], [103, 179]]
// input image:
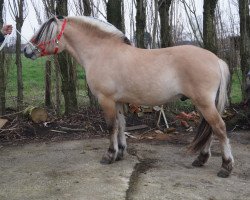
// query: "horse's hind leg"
[[214, 119], [122, 144], [204, 154], [109, 108]]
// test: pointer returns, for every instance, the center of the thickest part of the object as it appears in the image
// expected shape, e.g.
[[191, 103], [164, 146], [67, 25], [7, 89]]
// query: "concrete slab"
[[171, 176], [65, 170], [71, 170]]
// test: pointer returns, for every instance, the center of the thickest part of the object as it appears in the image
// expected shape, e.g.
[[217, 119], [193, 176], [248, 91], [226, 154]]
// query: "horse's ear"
[[57, 18]]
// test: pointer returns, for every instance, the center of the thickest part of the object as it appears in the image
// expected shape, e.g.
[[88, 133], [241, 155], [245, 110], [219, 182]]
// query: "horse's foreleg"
[[109, 108], [214, 119], [122, 144]]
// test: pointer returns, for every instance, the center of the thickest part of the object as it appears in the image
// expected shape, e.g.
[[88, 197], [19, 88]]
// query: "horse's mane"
[[47, 31], [99, 28], [95, 26]]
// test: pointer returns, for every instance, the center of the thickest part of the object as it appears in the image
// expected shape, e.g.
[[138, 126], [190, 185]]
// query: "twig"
[[58, 131], [72, 129], [12, 114], [8, 129], [101, 128]]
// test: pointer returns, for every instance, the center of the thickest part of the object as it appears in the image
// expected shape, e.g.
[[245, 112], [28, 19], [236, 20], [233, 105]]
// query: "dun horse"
[[119, 73]]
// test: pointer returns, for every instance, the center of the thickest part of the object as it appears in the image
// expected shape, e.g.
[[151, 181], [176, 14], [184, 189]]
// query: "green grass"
[[236, 95], [33, 82]]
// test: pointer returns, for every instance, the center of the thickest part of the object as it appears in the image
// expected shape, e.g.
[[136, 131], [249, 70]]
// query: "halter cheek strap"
[[42, 45]]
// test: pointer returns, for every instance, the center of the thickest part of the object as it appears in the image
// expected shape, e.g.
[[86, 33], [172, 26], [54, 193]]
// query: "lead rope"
[[4, 42], [7, 36]]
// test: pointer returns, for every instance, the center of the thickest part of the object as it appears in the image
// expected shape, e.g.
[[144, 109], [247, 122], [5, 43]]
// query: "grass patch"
[[33, 83], [236, 94]]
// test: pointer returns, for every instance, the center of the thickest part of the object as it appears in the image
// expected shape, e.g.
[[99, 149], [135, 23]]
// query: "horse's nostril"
[[27, 55]]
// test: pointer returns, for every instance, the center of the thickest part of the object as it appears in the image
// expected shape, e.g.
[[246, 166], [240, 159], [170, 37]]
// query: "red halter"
[[42, 45]]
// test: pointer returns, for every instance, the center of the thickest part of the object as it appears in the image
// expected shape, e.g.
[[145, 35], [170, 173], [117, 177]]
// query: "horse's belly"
[[155, 94]]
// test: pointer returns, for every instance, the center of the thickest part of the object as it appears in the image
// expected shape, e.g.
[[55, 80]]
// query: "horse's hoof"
[[105, 160], [120, 155], [197, 163], [223, 173], [108, 157]]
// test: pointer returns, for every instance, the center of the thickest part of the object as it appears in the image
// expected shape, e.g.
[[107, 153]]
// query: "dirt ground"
[[154, 168], [165, 171]]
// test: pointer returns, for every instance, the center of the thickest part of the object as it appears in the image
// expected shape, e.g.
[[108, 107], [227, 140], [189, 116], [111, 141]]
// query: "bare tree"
[[155, 23], [140, 23], [114, 14], [18, 10], [2, 68], [164, 6], [209, 30], [67, 68], [245, 44], [194, 23]]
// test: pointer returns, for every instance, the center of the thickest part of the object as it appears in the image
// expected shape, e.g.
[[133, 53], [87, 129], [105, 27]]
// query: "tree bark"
[[57, 86], [19, 23], [114, 13], [166, 39], [140, 23], [67, 69], [92, 99], [2, 69], [209, 30], [48, 84], [245, 48], [86, 7]]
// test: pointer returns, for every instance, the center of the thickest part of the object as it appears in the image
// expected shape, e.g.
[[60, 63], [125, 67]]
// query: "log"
[[3, 122], [36, 114]]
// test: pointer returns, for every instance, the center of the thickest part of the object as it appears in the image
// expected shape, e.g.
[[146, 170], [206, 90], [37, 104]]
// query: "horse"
[[119, 73]]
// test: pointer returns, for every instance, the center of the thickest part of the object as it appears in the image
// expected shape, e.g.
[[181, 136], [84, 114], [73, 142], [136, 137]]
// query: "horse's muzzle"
[[27, 54]]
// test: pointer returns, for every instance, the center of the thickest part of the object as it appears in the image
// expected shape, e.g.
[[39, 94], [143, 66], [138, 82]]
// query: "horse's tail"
[[204, 131]]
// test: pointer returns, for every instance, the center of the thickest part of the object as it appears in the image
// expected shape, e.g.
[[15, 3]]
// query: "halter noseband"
[[42, 45]]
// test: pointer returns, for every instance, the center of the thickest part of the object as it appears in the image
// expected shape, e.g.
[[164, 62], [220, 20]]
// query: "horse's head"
[[48, 40]]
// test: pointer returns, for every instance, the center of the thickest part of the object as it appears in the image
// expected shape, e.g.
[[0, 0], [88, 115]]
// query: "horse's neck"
[[87, 49]]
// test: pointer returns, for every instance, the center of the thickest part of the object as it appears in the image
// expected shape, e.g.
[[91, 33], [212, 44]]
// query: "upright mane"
[[47, 31], [99, 27]]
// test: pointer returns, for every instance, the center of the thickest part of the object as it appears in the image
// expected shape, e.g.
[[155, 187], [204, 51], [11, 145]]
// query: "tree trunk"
[[19, 24], [114, 13], [57, 86], [48, 84], [155, 23], [2, 83], [92, 99], [164, 6], [2, 69], [245, 47], [67, 69], [209, 30], [140, 23], [86, 7]]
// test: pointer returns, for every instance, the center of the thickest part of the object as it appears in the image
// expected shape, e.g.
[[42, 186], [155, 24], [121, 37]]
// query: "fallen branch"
[[58, 131], [16, 113], [72, 129]]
